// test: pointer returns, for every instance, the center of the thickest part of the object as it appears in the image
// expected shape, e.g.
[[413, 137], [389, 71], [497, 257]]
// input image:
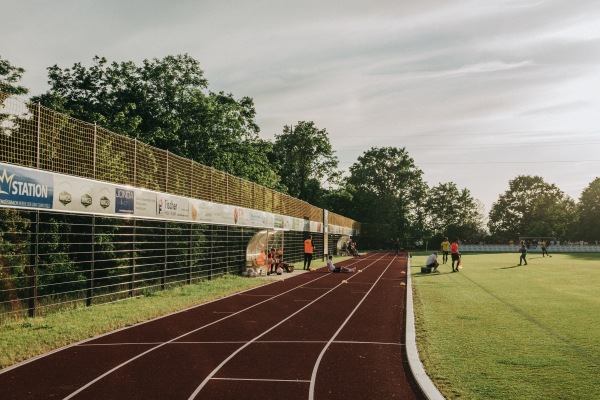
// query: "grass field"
[[26, 338], [23, 339], [500, 331]]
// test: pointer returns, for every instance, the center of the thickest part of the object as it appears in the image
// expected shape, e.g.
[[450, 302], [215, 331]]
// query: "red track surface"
[[311, 336]]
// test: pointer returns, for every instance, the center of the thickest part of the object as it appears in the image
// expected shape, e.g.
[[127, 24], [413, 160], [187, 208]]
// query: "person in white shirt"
[[333, 268], [432, 262]]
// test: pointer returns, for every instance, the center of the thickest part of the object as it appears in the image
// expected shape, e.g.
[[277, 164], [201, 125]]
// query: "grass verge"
[[23, 339], [500, 331]]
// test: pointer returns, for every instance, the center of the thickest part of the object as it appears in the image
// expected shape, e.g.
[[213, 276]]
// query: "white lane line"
[[214, 371], [313, 378], [119, 344], [241, 341], [373, 343], [262, 380], [174, 339]]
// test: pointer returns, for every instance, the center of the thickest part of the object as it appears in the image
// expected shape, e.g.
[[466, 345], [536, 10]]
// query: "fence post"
[[133, 260], [39, 136], [90, 285], [190, 258], [95, 151], [167, 174], [135, 162], [163, 280], [210, 272], [32, 278]]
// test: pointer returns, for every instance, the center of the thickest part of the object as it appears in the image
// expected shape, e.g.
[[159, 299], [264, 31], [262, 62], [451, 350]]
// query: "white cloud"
[[451, 81]]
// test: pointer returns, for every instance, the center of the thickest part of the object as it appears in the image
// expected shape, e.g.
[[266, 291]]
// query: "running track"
[[310, 336]]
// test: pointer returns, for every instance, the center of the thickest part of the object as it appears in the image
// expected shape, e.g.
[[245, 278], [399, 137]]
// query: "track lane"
[[371, 342], [208, 378], [281, 356], [124, 375]]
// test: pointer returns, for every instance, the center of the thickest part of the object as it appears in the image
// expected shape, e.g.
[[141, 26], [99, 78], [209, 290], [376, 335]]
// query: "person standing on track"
[[309, 248], [455, 255], [445, 250], [333, 268]]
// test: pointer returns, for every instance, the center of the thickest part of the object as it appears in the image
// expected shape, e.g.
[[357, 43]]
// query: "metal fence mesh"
[[38, 137], [51, 260]]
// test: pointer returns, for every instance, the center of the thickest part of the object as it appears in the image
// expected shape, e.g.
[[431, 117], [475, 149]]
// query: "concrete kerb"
[[414, 362]]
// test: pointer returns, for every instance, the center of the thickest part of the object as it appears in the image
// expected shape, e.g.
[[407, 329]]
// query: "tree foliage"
[[10, 76], [307, 161], [389, 190], [165, 103], [531, 207], [589, 212], [454, 213]]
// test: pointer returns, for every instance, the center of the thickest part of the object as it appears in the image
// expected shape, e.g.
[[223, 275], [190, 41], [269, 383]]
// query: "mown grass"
[[499, 331], [26, 338], [23, 339]]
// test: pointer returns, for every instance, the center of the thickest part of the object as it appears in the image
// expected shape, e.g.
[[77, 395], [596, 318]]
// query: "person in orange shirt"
[[309, 247], [261, 260], [455, 255]]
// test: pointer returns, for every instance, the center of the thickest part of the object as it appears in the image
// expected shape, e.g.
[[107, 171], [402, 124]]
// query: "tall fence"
[[52, 260], [34, 136]]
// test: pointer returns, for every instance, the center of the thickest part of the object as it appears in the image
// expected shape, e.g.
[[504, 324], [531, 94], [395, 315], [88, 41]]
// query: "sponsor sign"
[[124, 200], [24, 187], [83, 195], [172, 207], [29, 188]]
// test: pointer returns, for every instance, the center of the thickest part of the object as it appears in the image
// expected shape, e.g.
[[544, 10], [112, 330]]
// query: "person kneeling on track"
[[333, 268]]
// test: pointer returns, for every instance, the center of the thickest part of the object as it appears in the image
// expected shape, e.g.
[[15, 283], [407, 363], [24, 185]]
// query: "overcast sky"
[[478, 91]]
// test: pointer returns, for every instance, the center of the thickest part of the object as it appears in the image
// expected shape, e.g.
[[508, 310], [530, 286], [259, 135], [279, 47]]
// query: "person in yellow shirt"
[[445, 250]]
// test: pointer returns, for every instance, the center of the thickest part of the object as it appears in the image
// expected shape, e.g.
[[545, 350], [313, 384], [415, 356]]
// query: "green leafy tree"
[[589, 212], [454, 213], [531, 207], [14, 239], [339, 200], [389, 190], [165, 103], [307, 161], [9, 79]]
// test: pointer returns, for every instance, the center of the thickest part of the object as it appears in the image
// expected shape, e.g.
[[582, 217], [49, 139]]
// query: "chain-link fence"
[[51, 260], [37, 137]]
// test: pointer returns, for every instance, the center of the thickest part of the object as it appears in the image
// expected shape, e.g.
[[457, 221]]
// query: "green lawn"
[[24, 339], [499, 331]]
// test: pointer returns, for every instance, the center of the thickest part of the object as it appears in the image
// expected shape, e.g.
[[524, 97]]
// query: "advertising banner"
[[29, 188], [25, 187], [82, 195]]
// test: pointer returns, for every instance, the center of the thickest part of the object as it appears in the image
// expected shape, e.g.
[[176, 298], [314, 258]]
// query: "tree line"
[[167, 103]]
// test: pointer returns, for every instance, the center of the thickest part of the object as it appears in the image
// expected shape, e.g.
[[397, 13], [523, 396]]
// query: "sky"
[[478, 92]]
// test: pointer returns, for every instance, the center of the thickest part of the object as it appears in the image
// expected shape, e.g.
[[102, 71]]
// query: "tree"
[[307, 160], [589, 212], [389, 190], [165, 103], [531, 207], [454, 213], [339, 200], [9, 78]]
